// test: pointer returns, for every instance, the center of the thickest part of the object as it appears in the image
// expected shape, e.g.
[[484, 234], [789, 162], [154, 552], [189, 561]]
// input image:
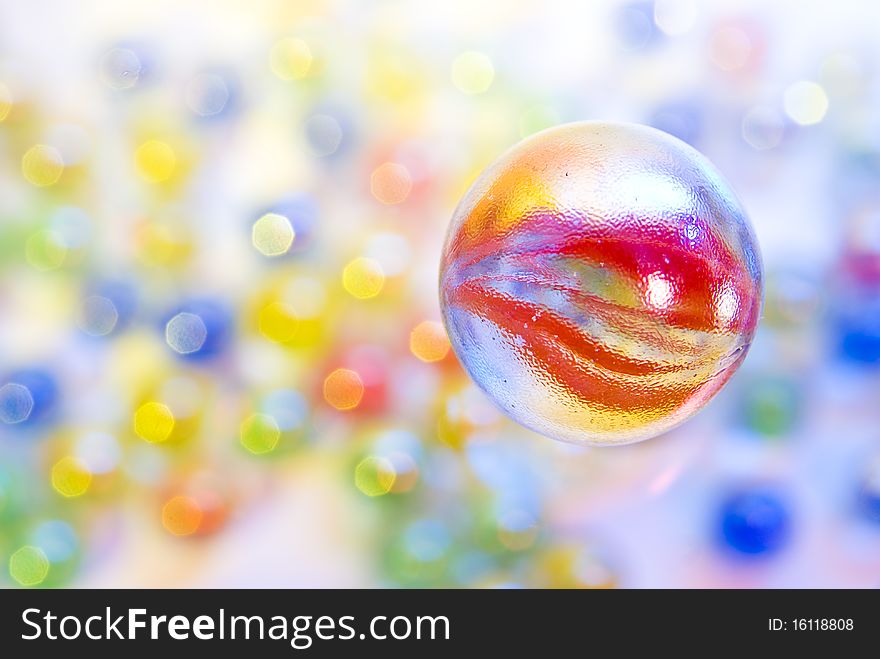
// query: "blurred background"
[[220, 356]]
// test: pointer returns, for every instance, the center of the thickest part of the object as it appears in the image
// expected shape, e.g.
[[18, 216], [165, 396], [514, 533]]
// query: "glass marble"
[[754, 522], [601, 282]]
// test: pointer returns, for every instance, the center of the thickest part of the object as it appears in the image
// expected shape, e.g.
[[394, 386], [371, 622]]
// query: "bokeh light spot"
[[363, 278], [288, 408], [406, 472], [805, 102], [374, 476], [181, 515], [29, 566], [120, 68], [763, 128], [99, 451], [272, 235], [517, 530], [98, 316], [71, 477], [45, 250], [260, 433], [428, 341], [472, 72], [207, 94], [290, 59], [343, 389], [186, 333], [427, 540], [307, 297], [16, 403], [730, 48], [324, 134], [390, 183], [153, 422], [57, 539], [155, 161], [42, 165], [278, 322]]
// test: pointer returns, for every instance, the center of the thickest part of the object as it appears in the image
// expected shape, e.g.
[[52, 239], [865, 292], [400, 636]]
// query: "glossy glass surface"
[[600, 282]]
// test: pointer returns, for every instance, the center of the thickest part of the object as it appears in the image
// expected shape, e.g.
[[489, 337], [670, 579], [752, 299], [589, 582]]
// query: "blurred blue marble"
[[754, 522]]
